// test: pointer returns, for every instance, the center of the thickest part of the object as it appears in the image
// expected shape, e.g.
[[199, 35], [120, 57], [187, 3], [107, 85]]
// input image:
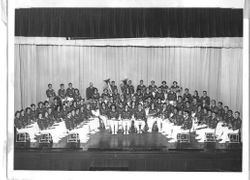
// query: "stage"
[[140, 152]]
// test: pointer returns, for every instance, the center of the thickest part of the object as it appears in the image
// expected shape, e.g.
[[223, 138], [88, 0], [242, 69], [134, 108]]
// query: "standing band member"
[[141, 87], [50, 93], [90, 91], [62, 92], [140, 118], [113, 119]]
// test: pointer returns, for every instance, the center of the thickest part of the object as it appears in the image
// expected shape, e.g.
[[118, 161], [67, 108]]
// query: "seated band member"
[[90, 91], [27, 117], [113, 120], [126, 117], [187, 95], [140, 118], [196, 96], [131, 87], [175, 88], [58, 114], [40, 122], [206, 98], [164, 87], [172, 96], [141, 87], [113, 86], [17, 121], [96, 95], [50, 93], [62, 92], [77, 96], [70, 91], [152, 87], [152, 116]]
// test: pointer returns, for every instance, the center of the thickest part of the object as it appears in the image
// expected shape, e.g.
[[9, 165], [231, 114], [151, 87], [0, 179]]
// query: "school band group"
[[126, 110]]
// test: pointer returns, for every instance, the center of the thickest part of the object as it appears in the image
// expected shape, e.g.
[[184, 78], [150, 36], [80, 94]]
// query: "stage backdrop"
[[213, 64]]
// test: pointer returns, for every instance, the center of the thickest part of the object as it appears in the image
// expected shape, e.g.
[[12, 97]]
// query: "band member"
[[160, 94], [105, 95], [116, 96], [27, 117], [90, 91], [196, 96], [127, 95], [50, 93], [77, 117], [213, 121], [40, 108], [51, 117], [41, 122], [152, 87], [187, 123], [164, 87], [62, 92], [131, 87], [180, 104], [113, 86], [141, 87], [113, 119], [140, 118], [213, 106], [126, 117], [22, 117], [58, 114], [206, 98], [147, 94], [18, 123], [236, 122], [33, 112], [174, 127], [77, 97], [187, 95], [194, 105], [46, 121], [221, 111], [172, 95], [70, 91], [187, 107], [68, 122], [175, 88], [204, 105]]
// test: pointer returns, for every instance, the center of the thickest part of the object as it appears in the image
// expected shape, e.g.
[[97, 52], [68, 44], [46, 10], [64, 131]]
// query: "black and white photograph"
[[127, 86]]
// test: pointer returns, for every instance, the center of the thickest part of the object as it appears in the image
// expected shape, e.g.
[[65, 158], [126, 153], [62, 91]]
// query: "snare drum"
[[183, 137], [210, 137]]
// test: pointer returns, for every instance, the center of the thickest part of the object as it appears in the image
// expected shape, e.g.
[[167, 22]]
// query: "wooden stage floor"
[[135, 152]]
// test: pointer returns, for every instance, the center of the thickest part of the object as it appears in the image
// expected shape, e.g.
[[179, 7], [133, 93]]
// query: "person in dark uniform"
[[172, 95], [141, 87], [230, 117], [58, 114], [22, 118], [33, 112], [213, 106], [187, 95], [51, 117], [187, 107], [175, 88], [152, 87], [131, 87], [40, 121], [164, 87], [70, 91], [77, 96], [140, 118], [196, 96], [90, 91], [204, 105], [206, 98], [180, 104], [62, 92], [68, 121], [214, 121], [50, 93], [236, 122], [113, 86], [164, 113], [40, 108], [96, 95], [194, 105], [27, 117], [198, 114], [127, 95], [113, 116], [147, 94], [221, 111], [126, 116], [18, 123], [159, 94], [77, 117], [187, 123]]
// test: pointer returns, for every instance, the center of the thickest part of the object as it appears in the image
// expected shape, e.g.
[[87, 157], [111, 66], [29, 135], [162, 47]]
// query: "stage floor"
[[134, 152]]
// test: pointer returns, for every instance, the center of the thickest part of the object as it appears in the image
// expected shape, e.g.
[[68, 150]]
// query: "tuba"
[[107, 81]]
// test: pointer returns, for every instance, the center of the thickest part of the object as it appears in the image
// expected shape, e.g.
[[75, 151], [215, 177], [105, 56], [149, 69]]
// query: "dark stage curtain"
[[129, 22]]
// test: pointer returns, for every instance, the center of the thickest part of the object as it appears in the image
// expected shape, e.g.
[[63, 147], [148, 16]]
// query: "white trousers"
[[126, 123]]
